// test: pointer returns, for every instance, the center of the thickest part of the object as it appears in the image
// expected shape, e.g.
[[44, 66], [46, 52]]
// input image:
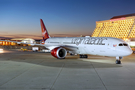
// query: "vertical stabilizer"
[[44, 30]]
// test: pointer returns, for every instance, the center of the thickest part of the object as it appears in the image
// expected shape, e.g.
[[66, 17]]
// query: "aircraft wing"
[[50, 47], [67, 47], [70, 48]]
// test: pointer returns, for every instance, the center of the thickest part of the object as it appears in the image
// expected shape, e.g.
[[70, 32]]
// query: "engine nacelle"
[[59, 52]]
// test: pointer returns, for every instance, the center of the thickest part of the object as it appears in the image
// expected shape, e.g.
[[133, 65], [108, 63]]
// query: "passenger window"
[[120, 44]]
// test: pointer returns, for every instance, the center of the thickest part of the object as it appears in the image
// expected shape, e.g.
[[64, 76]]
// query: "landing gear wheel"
[[83, 56], [118, 58], [72, 54], [118, 62], [86, 56]]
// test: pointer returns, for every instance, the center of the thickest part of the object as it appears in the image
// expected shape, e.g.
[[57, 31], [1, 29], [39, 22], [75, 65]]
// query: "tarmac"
[[40, 71]]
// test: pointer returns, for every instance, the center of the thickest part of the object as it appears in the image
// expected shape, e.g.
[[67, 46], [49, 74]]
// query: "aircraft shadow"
[[45, 59]]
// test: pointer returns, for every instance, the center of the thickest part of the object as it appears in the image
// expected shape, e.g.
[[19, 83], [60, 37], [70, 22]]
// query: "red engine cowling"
[[59, 52]]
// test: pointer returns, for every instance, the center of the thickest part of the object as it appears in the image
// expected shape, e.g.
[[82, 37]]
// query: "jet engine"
[[59, 52]]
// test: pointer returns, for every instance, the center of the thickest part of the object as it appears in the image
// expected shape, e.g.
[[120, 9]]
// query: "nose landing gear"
[[118, 60]]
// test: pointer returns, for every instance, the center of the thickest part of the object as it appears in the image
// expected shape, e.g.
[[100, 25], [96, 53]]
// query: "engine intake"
[[59, 52]]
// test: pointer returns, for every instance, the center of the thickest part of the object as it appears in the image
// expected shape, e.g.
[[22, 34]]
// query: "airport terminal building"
[[118, 26]]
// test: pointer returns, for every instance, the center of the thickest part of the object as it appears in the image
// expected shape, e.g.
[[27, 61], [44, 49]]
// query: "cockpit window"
[[123, 44], [120, 44]]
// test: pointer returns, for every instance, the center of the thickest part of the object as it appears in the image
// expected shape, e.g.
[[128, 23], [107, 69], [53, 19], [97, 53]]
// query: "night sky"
[[63, 18]]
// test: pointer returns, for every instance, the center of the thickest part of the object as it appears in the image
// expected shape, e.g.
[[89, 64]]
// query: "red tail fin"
[[44, 31]]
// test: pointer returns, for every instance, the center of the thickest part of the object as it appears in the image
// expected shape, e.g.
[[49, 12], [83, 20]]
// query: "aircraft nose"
[[124, 52], [128, 52]]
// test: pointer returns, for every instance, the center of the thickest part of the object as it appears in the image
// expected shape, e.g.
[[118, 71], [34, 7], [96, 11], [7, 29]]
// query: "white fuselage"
[[104, 46]]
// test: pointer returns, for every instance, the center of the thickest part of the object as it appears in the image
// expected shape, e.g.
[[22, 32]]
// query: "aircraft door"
[[109, 45]]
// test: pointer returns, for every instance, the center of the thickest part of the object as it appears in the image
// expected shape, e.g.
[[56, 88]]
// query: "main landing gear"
[[118, 60], [83, 56]]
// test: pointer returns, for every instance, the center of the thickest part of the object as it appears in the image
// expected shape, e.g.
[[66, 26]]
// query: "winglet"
[[44, 30]]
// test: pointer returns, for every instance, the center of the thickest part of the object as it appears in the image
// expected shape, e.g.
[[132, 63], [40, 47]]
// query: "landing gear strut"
[[118, 60], [83, 56]]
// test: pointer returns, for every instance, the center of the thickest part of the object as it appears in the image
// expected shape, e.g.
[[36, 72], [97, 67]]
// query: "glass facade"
[[123, 27]]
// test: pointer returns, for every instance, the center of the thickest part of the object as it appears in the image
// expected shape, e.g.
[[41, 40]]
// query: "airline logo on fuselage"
[[90, 41]]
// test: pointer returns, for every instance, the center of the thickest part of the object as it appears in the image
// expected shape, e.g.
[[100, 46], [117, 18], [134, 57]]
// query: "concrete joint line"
[[57, 76]]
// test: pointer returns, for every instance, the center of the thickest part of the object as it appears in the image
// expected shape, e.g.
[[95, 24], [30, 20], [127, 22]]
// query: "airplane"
[[103, 46]]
